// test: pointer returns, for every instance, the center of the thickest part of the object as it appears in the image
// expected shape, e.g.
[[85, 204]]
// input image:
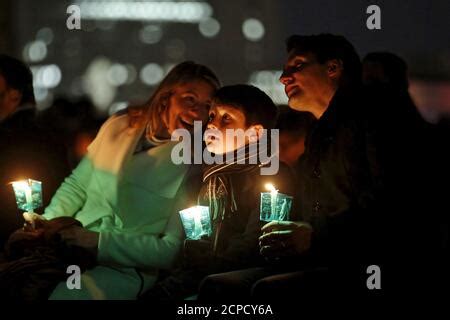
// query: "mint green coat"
[[133, 202]]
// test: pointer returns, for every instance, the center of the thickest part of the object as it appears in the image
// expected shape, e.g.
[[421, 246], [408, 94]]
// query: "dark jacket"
[[366, 188], [341, 183]]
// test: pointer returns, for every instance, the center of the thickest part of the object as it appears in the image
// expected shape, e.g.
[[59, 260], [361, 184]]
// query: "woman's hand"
[[285, 238], [81, 237]]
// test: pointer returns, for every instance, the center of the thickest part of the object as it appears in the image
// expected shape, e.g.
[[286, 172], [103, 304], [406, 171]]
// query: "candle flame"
[[22, 184], [270, 187]]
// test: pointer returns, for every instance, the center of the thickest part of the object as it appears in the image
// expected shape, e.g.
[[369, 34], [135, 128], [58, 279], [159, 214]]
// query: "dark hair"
[[180, 74], [18, 76], [298, 122], [326, 47], [255, 103], [394, 68]]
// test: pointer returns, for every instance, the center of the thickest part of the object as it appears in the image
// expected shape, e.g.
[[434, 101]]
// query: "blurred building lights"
[[267, 80], [132, 73], [35, 51], [253, 29], [40, 94], [151, 74], [209, 27], [150, 34], [45, 34], [179, 11], [44, 98], [46, 76], [117, 75], [96, 85]]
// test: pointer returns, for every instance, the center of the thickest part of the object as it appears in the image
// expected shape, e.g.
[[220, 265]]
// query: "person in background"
[[27, 149]]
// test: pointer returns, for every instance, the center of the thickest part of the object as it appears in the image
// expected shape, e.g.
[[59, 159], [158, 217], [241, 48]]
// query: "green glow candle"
[[196, 222], [28, 195], [274, 206]]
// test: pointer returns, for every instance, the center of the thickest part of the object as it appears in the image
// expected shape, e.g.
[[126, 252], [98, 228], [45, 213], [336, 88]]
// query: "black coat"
[[341, 183], [366, 186]]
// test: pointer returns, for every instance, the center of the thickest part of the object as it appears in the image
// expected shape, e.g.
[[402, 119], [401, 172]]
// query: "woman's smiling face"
[[188, 102]]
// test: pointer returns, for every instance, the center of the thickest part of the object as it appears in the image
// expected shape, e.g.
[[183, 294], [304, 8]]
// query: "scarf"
[[217, 177]]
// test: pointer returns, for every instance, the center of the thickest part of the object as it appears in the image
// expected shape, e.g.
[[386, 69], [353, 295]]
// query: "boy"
[[231, 190]]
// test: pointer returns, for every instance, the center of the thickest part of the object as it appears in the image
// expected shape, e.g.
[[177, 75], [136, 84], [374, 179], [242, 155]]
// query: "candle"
[[24, 187], [273, 198], [28, 197], [196, 222], [274, 206]]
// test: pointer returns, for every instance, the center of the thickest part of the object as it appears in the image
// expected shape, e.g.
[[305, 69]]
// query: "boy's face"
[[221, 118]]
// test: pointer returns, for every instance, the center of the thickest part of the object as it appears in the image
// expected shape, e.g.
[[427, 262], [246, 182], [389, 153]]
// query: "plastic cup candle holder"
[[28, 195], [275, 206], [196, 222]]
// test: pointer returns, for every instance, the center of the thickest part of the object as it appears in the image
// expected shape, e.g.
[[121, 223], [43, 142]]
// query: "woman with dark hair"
[[126, 192]]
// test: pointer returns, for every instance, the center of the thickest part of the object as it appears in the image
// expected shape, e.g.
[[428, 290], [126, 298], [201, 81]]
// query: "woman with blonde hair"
[[126, 192]]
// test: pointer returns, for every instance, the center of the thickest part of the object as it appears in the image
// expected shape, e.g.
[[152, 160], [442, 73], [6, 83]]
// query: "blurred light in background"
[[150, 34], [46, 76], [182, 11], [35, 51], [117, 106], [267, 80], [117, 75], [132, 73], [209, 27], [46, 35], [96, 85], [253, 29], [151, 74], [40, 94]]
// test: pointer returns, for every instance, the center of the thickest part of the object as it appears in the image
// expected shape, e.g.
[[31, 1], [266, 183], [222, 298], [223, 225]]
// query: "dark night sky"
[[414, 29]]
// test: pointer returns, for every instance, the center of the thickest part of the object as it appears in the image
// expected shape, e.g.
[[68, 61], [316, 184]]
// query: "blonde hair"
[[150, 113]]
